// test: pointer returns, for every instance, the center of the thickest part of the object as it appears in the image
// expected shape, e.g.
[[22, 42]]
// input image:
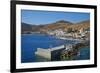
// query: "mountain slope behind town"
[[62, 24]]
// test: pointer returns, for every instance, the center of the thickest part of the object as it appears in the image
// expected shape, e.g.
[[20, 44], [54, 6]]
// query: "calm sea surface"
[[30, 43]]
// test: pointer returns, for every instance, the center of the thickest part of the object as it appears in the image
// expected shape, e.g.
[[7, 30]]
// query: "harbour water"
[[30, 43]]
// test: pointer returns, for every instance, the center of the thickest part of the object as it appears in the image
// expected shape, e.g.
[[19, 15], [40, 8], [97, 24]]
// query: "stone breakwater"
[[62, 52], [50, 53]]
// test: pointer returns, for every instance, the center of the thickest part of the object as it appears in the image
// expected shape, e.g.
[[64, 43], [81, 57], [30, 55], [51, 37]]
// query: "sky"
[[37, 17]]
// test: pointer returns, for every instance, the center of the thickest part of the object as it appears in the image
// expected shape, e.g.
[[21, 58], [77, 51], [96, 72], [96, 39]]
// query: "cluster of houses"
[[81, 34]]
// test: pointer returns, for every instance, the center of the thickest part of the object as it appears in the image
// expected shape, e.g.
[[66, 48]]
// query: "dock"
[[52, 53]]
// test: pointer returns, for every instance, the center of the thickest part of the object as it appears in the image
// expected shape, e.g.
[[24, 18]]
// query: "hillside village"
[[64, 34], [61, 29]]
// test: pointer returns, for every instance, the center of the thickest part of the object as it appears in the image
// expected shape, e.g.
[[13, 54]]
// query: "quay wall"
[[56, 54], [51, 54], [46, 53]]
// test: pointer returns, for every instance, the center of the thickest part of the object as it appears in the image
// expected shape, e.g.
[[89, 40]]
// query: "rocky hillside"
[[58, 25], [64, 25], [26, 27]]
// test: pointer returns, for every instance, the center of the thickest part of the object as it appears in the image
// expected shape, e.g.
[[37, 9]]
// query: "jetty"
[[52, 53]]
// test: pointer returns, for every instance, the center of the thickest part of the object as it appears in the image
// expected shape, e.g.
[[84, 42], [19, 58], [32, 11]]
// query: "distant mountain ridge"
[[61, 24], [26, 27]]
